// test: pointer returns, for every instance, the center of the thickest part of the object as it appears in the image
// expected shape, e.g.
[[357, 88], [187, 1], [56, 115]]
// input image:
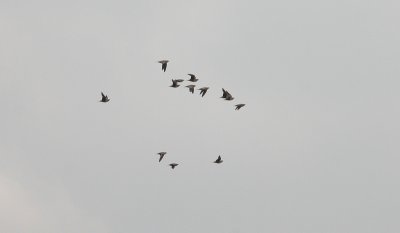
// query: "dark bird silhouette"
[[174, 83], [226, 95], [219, 160], [203, 91], [229, 97], [192, 78], [163, 64], [239, 106], [104, 98], [161, 155], [223, 93], [173, 165], [179, 80], [191, 88]]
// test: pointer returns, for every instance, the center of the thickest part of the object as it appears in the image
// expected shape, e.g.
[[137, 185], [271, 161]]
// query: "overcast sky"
[[315, 149]]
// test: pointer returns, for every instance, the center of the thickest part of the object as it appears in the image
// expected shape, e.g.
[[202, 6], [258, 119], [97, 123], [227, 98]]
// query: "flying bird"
[[226, 95], [239, 106], [219, 160], [223, 93], [203, 91], [179, 80], [192, 78], [173, 165], [163, 64], [191, 88], [174, 83], [104, 98], [161, 156]]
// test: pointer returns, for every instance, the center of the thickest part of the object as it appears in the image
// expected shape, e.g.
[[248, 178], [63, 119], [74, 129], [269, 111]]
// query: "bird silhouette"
[[239, 106], [226, 95], [179, 80], [192, 78], [173, 165], [191, 88], [104, 98], [163, 64], [174, 83], [223, 93], [219, 160], [161, 155], [203, 91]]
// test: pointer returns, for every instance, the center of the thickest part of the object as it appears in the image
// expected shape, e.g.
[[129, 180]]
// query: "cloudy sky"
[[315, 149]]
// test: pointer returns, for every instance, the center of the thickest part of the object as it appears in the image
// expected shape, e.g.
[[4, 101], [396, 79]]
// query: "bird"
[[104, 98], [219, 160], [174, 84], [239, 106], [191, 88], [192, 78], [179, 80], [161, 155], [203, 91], [163, 64], [173, 165], [226, 95]]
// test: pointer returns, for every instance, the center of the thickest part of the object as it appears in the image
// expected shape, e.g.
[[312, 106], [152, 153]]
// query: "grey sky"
[[314, 150]]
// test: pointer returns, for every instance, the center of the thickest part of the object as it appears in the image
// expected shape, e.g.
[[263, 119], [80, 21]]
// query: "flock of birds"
[[176, 83]]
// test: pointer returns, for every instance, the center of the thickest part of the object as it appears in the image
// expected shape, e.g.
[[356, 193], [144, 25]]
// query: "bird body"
[[219, 160], [173, 165], [223, 93], [191, 88], [161, 155], [239, 106], [104, 98], [203, 91], [192, 78], [163, 64], [226, 95], [229, 97], [174, 83]]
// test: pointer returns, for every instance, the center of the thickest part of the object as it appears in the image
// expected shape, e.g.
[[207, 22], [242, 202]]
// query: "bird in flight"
[[192, 78], [174, 83], [223, 93], [229, 97], [239, 106], [161, 156], [173, 165], [219, 160], [226, 95], [104, 98], [179, 80], [191, 88], [163, 64], [203, 91]]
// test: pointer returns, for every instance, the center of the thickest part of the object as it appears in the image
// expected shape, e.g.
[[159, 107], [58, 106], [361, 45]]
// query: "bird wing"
[[223, 93]]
